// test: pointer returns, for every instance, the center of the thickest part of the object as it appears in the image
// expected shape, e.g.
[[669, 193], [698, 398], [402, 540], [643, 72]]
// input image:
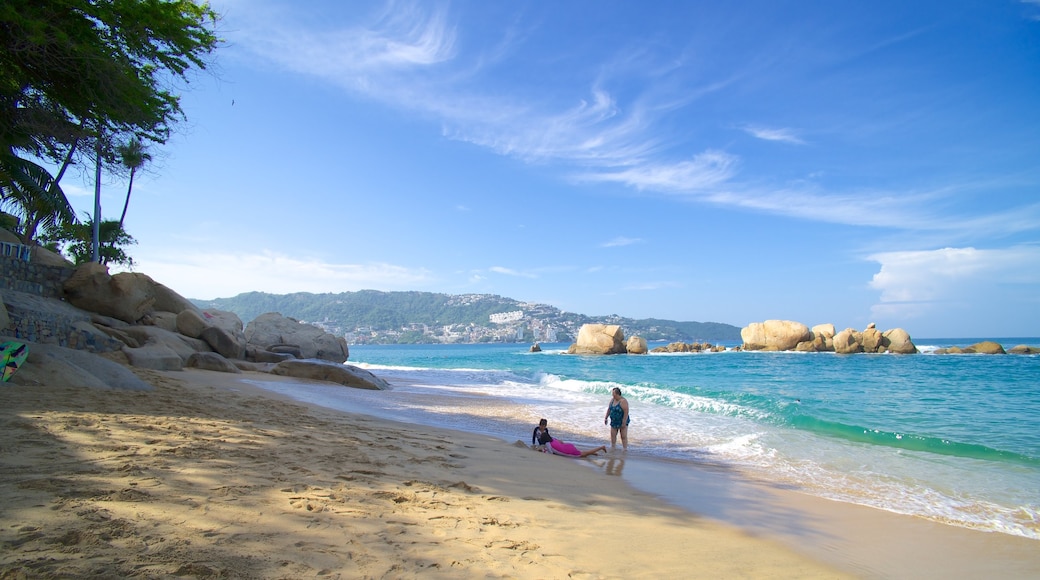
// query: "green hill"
[[388, 317]]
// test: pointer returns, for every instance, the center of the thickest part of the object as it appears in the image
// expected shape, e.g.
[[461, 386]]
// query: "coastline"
[[210, 476]]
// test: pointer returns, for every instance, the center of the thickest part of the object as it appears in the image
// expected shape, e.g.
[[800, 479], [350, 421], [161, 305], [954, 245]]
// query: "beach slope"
[[207, 476]]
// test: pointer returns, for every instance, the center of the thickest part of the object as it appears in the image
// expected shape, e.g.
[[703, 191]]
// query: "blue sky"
[[842, 162]]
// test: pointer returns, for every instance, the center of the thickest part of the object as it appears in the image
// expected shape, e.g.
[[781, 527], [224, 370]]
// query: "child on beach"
[[540, 439]]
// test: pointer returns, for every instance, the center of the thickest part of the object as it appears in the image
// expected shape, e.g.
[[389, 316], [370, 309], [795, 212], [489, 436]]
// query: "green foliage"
[[31, 192], [66, 65], [75, 240]]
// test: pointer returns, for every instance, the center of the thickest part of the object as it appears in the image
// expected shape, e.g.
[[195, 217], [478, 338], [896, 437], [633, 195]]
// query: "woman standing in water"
[[617, 414]]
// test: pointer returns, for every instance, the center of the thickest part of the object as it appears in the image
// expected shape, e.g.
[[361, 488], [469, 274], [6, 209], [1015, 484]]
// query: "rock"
[[536, 348], [91, 288], [265, 356], [986, 347], [313, 342], [41, 255], [848, 341], [211, 361], [897, 341], [224, 342], [824, 330], [191, 323], [599, 339], [128, 296], [291, 350], [229, 321], [178, 343], [154, 356], [871, 339], [253, 366], [1023, 349], [636, 345], [165, 300], [774, 335], [806, 346], [322, 370], [162, 319], [50, 364], [5, 320]]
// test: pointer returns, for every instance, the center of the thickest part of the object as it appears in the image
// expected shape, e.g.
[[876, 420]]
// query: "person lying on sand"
[[540, 439]]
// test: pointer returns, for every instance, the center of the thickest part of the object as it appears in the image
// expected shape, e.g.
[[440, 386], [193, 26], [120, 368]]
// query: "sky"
[[818, 161]]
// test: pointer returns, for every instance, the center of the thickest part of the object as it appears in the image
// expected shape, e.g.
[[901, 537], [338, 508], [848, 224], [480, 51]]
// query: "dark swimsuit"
[[541, 440], [616, 414]]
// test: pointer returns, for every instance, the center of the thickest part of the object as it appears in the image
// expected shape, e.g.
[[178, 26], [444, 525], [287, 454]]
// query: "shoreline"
[[208, 476], [866, 541], [211, 475]]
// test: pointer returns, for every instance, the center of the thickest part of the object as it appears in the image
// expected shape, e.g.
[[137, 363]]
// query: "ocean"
[[951, 438]]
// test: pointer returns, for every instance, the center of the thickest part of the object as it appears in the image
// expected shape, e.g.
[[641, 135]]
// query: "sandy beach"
[[209, 477]]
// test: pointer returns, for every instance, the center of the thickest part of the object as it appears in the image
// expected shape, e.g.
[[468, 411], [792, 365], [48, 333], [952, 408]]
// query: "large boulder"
[[128, 296], [272, 329], [224, 342], [182, 345], [848, 341], [155, 356], [897, 341], [41, 255], [222, 331], [321, 370], [986, 347], [871, 339], [191, 323], [50, 364], [774, 335], [1024, 349], [824, 330], [636, 345], [599, 339], [211, 361]]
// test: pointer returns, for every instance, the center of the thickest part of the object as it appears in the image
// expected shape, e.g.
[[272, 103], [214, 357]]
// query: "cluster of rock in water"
[[780, 335]]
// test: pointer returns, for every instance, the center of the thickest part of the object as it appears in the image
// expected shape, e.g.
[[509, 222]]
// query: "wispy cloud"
[[511, 272], [705, 171], [213, 275], [767, 134], [621, 241], [650, 286], [409, 56], [364, 57]]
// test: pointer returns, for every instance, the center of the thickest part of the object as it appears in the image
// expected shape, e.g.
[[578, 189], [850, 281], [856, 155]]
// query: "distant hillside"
[[388, 317]]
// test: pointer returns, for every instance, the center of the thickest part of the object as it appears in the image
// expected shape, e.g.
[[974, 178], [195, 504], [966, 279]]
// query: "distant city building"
[[507, 317]]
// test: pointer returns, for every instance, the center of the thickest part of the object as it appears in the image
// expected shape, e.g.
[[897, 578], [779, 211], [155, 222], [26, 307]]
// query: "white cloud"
[[650, 286], [621, 241], [405, 36], [511, 272], [767, 134], [913, 282], [705, 171], [213, 275]]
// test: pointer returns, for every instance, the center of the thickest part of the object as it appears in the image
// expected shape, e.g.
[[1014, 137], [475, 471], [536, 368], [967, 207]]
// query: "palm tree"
[[35, 195], [133, 155]]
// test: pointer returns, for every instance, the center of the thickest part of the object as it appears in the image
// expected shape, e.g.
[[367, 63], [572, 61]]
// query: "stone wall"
[[37, 279], [32, 295]]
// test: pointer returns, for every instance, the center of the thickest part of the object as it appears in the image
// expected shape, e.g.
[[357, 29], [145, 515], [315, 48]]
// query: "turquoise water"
[[952, 438]]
